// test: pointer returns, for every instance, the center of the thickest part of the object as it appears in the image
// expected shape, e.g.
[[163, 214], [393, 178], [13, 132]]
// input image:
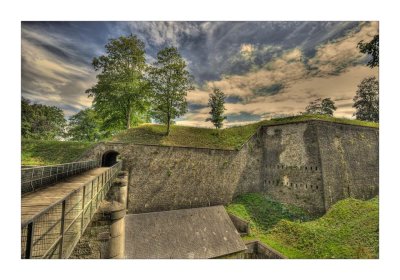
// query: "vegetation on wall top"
[[44, 152], [229, 138]]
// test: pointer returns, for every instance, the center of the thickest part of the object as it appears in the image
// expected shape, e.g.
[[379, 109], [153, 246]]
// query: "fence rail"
[[36, 177], [55, 232]]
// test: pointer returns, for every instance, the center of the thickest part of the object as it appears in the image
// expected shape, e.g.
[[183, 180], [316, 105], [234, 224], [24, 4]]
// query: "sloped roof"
[[196, 233]]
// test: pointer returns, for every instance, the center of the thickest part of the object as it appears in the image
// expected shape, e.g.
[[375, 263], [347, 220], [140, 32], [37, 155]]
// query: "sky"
[[266, 69]]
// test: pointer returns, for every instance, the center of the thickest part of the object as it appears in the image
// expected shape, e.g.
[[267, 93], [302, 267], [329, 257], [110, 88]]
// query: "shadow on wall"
[[109, 158]]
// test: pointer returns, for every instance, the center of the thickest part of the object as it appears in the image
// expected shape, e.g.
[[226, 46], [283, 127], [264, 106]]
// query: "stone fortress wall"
[[311, 164]]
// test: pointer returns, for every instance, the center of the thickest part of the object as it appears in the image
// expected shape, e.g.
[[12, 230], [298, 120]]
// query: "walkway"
[[53, 218], [35, 203]]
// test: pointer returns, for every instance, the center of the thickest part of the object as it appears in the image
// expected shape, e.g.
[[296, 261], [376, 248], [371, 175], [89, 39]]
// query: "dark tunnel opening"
[[109, 158]]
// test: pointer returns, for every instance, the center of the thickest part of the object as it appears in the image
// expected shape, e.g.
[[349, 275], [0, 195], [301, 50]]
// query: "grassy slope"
[[229, 138], [40, 152], [348, 230], [35, 152]]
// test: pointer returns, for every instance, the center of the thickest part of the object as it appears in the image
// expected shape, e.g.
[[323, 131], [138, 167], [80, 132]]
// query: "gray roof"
[[196, 233]]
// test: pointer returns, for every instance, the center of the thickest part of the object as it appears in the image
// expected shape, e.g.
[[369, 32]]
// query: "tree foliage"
[[216, 103], [321, 107], [170, 82], [86, 126], [121, 92], [371, 48], [41, 121], [366, 100]]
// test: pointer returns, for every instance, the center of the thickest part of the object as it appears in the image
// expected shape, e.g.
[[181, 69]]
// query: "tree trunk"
[[168, 123], [128, 124]]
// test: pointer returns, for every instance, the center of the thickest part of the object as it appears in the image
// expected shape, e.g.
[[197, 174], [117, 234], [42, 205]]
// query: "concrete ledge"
[[259, 248], [241, 225], [118, 214]]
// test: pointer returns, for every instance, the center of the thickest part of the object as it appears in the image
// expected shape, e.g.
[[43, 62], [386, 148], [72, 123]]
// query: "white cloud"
[[336, 55], [164, 32], [48, 79], [198, 96], [339, 73], [281, 70], [297, 95]]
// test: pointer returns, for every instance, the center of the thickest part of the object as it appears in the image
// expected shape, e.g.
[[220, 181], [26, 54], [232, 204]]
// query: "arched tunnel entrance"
[[109, 158]]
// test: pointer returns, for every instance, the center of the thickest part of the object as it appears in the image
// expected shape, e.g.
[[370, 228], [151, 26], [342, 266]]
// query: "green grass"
[[350, 229], [41, 152], [230, 138], [38, 152]]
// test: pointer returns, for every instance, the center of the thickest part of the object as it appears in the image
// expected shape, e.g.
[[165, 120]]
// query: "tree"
[[366, 100], [371, 48], [86, 126], [216, 102], [321, 107], [121, 92], [170, 82], [26, 117], [41, 121]]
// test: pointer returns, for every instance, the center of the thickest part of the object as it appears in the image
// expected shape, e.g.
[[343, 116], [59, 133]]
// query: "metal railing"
[[55, 232], [36, 177]]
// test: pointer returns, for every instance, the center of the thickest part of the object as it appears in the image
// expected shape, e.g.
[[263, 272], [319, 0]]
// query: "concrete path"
[[32, 204]]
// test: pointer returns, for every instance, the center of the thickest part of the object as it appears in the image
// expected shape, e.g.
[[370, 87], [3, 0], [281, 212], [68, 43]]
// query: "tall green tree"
[[86, 126], [321, 107], [170, 81], [121, 92], [216, 103], [371, 48], [366, 100], [40, 121]]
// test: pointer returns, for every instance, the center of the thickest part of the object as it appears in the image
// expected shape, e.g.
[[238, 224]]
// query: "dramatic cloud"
[[54, 74], [266, 69], [334, 57]]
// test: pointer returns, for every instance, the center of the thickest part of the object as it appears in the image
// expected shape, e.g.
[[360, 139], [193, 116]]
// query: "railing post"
[[91, 202], [41, 177], [83, 206], [29, 241], [33, 172], [62, 229]]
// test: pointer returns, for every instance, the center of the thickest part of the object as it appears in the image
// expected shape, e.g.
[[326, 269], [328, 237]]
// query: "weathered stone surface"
[[241, 226], [196, 233], [292, 165], [105, 235], [311, 164], [349, 161], [166, 178], [330, 162], [255, 249]]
